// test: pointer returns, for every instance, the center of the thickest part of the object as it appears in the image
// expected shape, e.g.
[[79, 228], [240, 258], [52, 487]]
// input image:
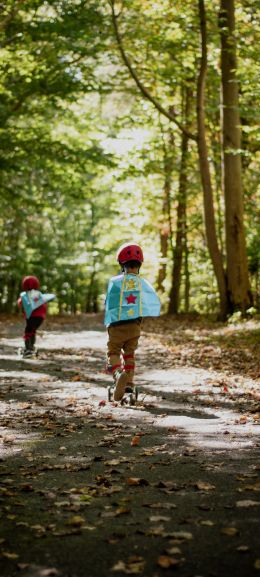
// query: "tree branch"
[[170, 114]]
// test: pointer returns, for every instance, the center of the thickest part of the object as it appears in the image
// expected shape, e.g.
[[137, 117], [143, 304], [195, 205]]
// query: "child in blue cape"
[[129, 299], [34, 306]]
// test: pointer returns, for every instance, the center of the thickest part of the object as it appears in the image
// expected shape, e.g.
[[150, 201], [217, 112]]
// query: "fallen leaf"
[[159, 518], [26, 487], [160, 505], [156, 531], [247, 503], [135, 441], [181, 535], [173, 551], [9, 555], [8, 439], [49, 572], [122, 511], [25, 406], [253, 487], [257, 564], [134, 481], [133, 566], [119, 566], [165, 562], [102, 403], [230, 531], [75, 521], [202, 486]]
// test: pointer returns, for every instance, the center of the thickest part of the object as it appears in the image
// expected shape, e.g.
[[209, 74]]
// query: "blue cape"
[[129, 297], [33, 299]]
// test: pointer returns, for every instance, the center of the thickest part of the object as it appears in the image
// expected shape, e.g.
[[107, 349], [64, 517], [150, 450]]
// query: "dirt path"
[[93, 489]]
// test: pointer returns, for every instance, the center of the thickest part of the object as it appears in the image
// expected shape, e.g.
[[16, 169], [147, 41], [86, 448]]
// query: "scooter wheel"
[[110, 393]]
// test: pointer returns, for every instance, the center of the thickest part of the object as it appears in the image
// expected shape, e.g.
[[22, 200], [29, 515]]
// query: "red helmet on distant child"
[[130, 251], [30, 282]]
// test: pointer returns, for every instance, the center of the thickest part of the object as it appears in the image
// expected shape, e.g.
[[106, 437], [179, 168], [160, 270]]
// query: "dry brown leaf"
[[202, 486], [25, 406], [8, 439], [9, 555], [133, 566], [159, 519], [135, 441], [165, 561], [122, 511], [137, 481], [181, 535], [26, 487], [75, 521], [71, 402], [247, 503], [49, 572], [173, 551], [230, 531]]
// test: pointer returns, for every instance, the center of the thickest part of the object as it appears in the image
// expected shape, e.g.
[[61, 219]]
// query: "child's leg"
[[114, 345], [130, 347], [116, 336], [32, 324]]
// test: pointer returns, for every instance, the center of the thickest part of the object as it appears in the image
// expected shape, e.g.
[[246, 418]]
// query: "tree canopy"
[[111, 116]]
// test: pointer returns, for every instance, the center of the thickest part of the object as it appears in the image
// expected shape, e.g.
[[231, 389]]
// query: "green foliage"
[[82, 155]]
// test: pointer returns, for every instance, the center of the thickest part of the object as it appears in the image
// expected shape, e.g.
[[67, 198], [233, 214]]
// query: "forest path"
[[90, 488]]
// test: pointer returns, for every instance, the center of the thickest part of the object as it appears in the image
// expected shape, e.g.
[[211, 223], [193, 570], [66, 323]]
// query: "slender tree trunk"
[[186, 269], [237, 268], [11, 294], [181, 231], [164, 235], [209, 215], [91, 304], [166, 228]]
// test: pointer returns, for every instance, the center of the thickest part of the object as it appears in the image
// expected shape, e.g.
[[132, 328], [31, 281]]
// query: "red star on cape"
[[131, 299]]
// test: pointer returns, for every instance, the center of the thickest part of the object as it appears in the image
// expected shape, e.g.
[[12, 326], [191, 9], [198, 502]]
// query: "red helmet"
[[129, 252], [30, 282]]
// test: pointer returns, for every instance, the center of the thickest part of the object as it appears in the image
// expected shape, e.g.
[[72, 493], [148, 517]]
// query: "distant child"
[[34, 306], [129, 299]]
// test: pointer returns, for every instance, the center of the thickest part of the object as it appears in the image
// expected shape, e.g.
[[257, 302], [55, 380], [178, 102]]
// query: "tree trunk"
[[166, 228], [186, 270], [180, 232], [164, 234], [237, 268], [209, 215]]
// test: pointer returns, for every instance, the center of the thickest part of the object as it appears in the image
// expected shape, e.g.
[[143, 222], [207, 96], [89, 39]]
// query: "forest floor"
[[167, 487]]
